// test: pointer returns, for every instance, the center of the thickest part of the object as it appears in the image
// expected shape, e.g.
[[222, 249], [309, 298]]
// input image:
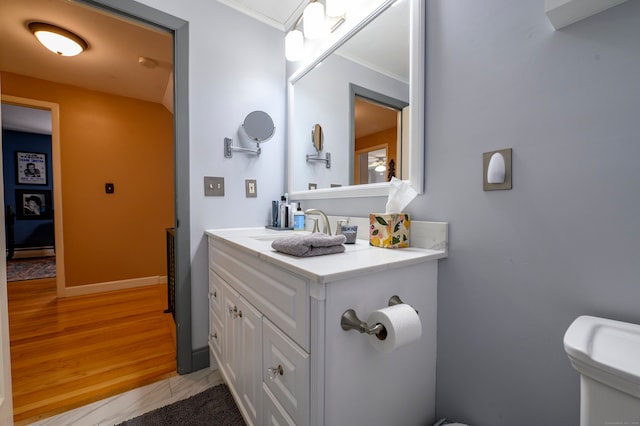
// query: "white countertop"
[[357, 259]]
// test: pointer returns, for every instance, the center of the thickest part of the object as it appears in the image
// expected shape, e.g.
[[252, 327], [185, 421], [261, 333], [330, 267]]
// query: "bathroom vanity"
[[276, 337]]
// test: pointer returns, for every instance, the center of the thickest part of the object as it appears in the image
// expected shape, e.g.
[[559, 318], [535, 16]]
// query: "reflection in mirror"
[[378, 122], [371, 166], [371, 65], [316, 137]]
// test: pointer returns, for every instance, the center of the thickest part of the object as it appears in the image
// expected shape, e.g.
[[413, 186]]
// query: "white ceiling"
[[281, 14]]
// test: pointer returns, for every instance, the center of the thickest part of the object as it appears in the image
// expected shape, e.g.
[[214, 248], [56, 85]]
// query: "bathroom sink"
[[279, 234]]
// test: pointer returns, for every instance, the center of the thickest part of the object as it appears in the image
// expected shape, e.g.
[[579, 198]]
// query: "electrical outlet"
[[251, 188], [213, 186]]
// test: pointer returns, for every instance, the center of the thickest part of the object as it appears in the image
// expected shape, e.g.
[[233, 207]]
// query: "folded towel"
[[315, 244]]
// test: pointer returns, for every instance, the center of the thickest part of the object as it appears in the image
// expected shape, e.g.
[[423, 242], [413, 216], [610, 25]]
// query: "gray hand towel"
[[316, 244]]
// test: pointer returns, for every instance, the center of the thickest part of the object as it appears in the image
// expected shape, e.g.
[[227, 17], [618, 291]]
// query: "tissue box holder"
[[389, 230]]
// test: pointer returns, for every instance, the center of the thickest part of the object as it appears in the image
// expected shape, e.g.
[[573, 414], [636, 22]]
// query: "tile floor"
[[125, 406]]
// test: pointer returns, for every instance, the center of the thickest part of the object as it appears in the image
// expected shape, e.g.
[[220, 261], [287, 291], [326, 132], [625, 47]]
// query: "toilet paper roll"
[[402, 326]]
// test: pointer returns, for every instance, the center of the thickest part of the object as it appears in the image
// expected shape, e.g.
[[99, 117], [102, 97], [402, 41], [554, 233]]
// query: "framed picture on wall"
[[33, 204], [31, 168]]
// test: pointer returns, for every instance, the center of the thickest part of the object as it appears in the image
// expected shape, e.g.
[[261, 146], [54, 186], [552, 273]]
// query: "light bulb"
[[58, 40], [314, 24], [293, 45], [335, 7]]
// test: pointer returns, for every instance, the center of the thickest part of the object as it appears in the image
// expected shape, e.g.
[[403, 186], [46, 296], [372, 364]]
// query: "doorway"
[[179, 30], [186, 361], [29, 223], [44, 118], [379, 136]]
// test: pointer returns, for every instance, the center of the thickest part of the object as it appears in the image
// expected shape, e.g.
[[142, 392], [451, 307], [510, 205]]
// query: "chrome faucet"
[[326, 227]]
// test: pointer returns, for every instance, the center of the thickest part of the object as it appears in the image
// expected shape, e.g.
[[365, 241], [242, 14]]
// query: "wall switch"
[[251, 188], [109, 188], [213, 186]]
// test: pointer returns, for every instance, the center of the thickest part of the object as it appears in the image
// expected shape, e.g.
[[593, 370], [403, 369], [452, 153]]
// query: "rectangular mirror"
[[379, 62]]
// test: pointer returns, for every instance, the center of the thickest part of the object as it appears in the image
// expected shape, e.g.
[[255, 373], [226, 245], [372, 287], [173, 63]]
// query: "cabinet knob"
[[215, 336], [215, 294], [233, 310], [238, 314], [275, 372]]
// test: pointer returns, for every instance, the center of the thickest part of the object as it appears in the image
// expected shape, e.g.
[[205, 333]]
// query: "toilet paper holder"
[[350, 321]]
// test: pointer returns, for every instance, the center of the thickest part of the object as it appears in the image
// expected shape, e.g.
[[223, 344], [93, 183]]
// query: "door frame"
[[6, 398], [187, 359], [57, 180]]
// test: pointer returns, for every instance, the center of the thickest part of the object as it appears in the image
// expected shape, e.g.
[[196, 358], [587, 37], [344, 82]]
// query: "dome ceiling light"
[[58, 40]]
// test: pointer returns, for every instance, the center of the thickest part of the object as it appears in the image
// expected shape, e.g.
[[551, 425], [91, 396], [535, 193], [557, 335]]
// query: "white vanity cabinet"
[[259, 361], [276, 336]]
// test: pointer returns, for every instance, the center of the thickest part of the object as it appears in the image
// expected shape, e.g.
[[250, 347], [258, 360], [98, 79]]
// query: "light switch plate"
[[251, 188], [213, 186], [486, 157]]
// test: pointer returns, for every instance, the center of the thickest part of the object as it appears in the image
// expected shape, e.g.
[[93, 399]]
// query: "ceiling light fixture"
[[335, 7], [58, 40], [147, 62], [293, 45], [316, 26], [380, 168]]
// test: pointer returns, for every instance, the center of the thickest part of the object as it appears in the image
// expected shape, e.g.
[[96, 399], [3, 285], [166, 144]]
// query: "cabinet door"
[[216, 335], [286, 372], [250, 372], [215, 293], [231, 358], [274, 414]]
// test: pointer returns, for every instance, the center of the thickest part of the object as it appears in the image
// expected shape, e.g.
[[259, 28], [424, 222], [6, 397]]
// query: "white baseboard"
[[83, 290]]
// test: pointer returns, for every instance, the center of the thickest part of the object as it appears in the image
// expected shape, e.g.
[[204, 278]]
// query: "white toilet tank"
[[606, 353]]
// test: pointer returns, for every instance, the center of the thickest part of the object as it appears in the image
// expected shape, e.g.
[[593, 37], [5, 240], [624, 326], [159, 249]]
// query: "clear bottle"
[[298, 219]]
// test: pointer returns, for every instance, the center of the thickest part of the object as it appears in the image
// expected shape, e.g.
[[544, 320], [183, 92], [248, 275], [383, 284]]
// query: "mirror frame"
[[416, 100]]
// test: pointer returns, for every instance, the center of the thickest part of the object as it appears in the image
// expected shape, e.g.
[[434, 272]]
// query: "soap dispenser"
[[298, 219]]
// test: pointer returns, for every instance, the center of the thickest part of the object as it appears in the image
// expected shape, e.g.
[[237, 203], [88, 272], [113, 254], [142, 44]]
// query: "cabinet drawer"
[[215, 293], [216, 335], [285, 372], [273, 413], [281, 296]]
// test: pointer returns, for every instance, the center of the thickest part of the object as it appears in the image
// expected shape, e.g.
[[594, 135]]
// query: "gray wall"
[[565, 241], [522, 263], [236, 65]]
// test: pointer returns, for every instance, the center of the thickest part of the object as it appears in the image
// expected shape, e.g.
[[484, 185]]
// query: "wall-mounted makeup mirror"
[[316, 137], [258, 126], [369, 57]]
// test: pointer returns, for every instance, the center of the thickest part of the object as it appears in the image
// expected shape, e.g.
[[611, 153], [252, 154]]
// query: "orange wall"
[[389, 136], [106, 138]]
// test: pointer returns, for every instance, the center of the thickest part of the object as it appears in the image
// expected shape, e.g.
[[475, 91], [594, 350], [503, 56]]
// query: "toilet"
[[606, 353]]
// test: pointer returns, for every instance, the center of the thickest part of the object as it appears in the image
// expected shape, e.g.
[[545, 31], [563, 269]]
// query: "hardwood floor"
[[69, 352]]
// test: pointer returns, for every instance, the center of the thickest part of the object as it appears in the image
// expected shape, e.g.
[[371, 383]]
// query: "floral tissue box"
[[389, 230]]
